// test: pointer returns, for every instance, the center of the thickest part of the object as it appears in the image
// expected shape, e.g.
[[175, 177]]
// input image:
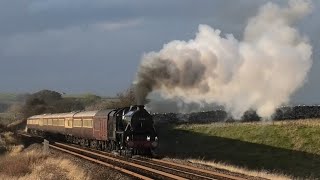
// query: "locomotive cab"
[[116, 119]]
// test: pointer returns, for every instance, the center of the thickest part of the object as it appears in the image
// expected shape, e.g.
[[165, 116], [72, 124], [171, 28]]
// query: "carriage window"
[[90, 123], [61, 122], [55, 122], [45, 122], [50, 122], [87, 123], [40, 122], [77, 123]]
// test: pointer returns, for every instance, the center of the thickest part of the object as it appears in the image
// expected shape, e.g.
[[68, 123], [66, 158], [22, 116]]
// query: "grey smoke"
[[260, 72]]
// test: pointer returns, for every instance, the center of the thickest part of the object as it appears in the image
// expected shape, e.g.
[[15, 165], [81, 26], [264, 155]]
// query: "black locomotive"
[[135, 130]]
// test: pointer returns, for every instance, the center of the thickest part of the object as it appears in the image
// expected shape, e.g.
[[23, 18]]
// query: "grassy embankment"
[[290, 147]]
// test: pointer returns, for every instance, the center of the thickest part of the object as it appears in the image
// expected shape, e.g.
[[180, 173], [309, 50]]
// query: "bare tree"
[[127, 97], [123, 99]]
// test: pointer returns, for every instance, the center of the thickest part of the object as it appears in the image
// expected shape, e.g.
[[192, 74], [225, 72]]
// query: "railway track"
[[140, 167], [143, 168]]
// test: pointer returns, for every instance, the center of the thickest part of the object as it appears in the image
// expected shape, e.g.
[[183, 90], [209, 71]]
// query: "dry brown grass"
[[2, 142], [235, 169], [15, 149], [2, 127], [36, 165], [58, 168], [14, 164], [8, 143], [9, 138]]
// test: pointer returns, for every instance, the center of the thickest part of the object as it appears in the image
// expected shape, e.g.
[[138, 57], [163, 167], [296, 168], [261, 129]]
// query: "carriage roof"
[[73, 114]]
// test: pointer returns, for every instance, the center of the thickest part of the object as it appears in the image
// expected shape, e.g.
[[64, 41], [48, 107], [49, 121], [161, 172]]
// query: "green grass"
[[291, 148], [8, 97], [288, 136]]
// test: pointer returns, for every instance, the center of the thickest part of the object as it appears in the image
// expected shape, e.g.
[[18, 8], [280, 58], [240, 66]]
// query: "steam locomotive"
[[127, 130]]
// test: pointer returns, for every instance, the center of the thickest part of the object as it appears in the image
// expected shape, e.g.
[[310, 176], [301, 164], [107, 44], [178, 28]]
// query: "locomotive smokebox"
[[141, 107]]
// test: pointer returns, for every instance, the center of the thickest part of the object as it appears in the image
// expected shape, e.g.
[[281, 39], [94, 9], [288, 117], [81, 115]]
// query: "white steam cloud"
[[259, 72]]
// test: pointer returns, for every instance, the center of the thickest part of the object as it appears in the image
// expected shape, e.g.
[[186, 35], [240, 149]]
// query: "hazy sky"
[[78, 46]]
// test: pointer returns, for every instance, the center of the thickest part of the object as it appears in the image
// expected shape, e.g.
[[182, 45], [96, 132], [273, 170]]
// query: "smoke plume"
[[259, 72]]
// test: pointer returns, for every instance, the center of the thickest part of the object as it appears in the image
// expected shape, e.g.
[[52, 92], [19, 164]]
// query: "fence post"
[[45, 146]]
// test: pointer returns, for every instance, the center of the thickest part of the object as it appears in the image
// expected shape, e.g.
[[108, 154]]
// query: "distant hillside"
[[12, 97], [8, 99], [86, 95]]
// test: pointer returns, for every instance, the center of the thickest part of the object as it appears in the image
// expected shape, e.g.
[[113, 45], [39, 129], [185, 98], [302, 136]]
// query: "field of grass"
[[288, 147], [8, 97]]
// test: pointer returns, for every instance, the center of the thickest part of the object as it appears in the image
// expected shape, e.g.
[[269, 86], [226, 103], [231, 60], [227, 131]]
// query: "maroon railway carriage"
[[33, 124], [87, 127], [91, 128]]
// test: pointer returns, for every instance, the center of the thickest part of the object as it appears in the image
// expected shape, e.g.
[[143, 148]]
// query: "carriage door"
[[97, 128], [68, 122]]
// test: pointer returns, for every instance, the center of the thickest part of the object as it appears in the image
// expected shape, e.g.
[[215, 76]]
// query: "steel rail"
[[168, 175], [177, 170], [103, 163], [155, 164], [198, 169]]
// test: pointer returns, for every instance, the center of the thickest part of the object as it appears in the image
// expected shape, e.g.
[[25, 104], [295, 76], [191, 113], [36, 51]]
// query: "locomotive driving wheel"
[[93, 144], [111, 145], [82, 142]]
